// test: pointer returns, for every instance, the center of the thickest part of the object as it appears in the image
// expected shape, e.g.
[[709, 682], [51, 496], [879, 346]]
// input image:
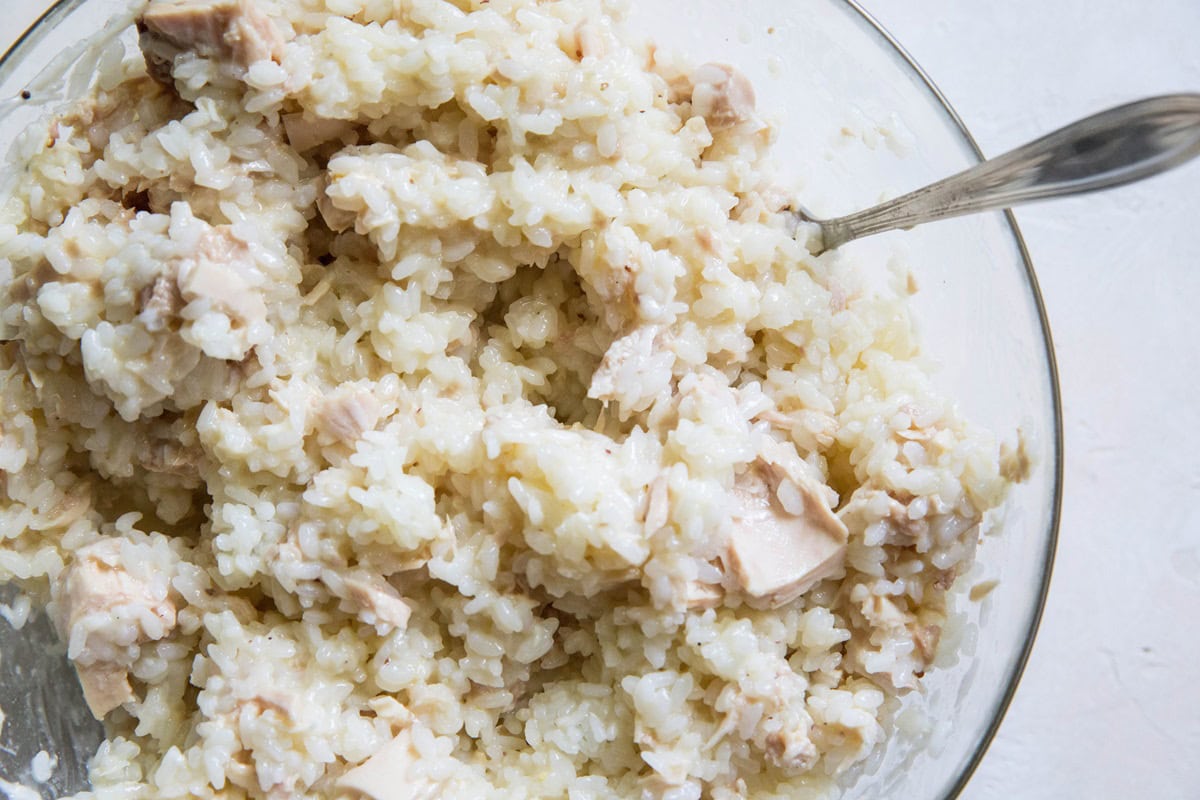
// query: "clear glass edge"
[[34, 34], [61, 8], [869, 22]]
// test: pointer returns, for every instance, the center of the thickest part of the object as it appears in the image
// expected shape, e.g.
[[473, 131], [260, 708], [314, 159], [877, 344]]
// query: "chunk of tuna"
[[635, 370], [389, 774], [926, 638], [791, 749], [348, 414], [899, 646], [774, 716], [104, 612], [336, 219], [170, 458], [722, 95], [778, 553], [379, 602], [105, 687], [373, 599], [304, 133], [699, 595], [160, 304], [236, 31], [212, 282]]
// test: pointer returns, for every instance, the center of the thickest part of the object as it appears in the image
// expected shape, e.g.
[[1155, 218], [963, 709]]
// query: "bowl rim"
[[872, 25], [33, 34], [60, 8]]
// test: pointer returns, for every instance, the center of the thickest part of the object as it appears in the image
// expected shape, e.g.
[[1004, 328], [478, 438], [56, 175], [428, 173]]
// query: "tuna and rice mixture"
[[412, 398]]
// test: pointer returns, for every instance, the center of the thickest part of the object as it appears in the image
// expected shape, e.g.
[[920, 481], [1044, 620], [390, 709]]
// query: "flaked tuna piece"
[[914, 522], [635, 370], [170, 458], [898, 646], [304, 133], [105, 687], [236, 31], [697, 595], [336, 219], [883, 613], [348, 413], [776, 719], [373, 599], [73, 505], [781, 547], [105, 613], [389, 774], [212, 281], [160, 304], [926, 638], [810, 430], [791, 749], [722, 95], [379, 601]]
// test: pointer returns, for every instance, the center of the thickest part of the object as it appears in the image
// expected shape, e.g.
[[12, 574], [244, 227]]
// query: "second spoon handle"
[[1114, 147]]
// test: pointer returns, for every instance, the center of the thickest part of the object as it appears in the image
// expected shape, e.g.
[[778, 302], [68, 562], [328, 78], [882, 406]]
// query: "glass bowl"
[[857, 119]]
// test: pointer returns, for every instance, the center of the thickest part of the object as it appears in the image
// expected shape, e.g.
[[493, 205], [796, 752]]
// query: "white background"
[[1110, 704]]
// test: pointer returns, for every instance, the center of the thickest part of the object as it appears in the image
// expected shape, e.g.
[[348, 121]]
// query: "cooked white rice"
[[397, 389]]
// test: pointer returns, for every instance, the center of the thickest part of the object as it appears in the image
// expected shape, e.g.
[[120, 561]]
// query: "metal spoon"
[[1112, 148]]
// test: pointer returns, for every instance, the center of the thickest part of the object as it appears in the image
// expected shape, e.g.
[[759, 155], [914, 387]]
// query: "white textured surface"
[[1110, 704]]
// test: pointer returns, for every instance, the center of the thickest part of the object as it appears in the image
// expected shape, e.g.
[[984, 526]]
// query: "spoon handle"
[[1112, 148]]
